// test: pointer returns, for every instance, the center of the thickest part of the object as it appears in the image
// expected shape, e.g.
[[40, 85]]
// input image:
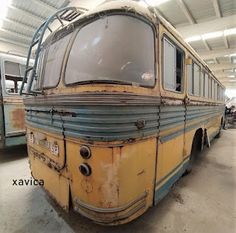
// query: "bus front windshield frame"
[[113, 49]]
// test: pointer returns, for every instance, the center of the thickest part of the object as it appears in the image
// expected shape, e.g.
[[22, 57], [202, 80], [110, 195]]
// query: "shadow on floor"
[[13, 153], [145, 223]]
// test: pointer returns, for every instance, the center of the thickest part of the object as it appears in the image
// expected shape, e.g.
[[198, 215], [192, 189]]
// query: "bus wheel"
[[196, 148], [219, 133]]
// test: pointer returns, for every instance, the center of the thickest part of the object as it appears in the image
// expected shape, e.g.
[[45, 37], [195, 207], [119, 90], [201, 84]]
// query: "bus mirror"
[[189, 61]]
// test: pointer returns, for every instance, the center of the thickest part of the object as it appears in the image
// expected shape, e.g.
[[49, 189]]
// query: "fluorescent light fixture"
[[193, 38], [210, 61], [231, 76], [153, 2], [3, 10], [231, 31], [143, 3], [212, 35], [232, 55], [230, 93]]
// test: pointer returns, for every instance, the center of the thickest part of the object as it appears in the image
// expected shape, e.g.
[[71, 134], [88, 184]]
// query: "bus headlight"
[[85, 169], [85, 152]]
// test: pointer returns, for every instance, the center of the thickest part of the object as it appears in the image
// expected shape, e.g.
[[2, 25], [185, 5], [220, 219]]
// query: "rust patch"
[[18, 118]]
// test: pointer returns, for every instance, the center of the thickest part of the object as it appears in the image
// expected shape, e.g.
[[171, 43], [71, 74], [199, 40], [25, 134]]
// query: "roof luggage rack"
[[63, 15]]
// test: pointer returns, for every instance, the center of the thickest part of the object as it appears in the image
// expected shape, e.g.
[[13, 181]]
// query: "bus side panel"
[[1, 125], [169, 165], [14, 116], [122, 180], [170, 149]]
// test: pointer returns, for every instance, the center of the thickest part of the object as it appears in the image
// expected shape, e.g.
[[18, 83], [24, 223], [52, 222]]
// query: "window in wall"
[[173, 66], [206, 85], [196, 79]]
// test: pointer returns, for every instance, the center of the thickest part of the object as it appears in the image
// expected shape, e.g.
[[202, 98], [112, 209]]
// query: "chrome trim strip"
[[110, 210]]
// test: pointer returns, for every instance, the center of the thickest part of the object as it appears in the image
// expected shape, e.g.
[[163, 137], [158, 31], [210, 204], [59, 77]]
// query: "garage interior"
[[202, 201]]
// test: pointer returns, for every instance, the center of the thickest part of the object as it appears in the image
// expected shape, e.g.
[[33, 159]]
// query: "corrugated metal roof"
[[201, 9], [24, 16]]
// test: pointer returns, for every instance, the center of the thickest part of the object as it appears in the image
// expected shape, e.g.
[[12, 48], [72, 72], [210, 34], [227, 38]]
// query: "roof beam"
[[15, 34], [217, 8], [226, 42], [224, 73], [14, 42], [186, 11], [21, 24], [216, 53], [45, 5], [219, 24], [206, 45], [27, 13], [218, 67]]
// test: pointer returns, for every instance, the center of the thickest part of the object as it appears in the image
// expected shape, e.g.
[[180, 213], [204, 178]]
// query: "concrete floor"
[[202, 202]]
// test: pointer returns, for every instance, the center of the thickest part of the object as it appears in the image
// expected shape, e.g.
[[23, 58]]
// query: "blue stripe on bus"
[[161, 192], [110, 123]]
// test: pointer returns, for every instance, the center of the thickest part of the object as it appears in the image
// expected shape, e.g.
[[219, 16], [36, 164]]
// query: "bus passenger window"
[[14, 73], [190, 78], [216, 93], [212, 89], [173, 66], [209, 86], [202, 83], [196, 79], [206, 85]]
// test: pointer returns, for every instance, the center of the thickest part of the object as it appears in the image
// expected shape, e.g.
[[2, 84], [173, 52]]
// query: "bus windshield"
[[116, 48]]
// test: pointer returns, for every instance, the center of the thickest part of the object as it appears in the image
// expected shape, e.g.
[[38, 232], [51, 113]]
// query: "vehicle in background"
[[12, 123], [121, 105]]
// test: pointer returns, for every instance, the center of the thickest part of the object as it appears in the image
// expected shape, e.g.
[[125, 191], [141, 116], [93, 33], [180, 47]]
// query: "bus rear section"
[[92, 133], [108, 130]]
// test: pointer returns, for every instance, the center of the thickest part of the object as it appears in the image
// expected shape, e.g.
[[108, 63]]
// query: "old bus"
[[12, 127], [119, 107]]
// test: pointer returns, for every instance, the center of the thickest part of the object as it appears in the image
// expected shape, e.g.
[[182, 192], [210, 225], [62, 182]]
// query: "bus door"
[[172, 118], [13, 109]]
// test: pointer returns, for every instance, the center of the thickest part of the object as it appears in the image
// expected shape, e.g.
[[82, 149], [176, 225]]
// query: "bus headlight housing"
[[85, 152]]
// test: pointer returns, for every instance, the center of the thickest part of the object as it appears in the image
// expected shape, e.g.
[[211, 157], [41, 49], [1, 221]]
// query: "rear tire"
[[221, 126], [196, 148]]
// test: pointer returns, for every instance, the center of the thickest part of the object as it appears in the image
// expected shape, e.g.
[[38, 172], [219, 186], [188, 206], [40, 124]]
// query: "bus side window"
[[212, 89], [172, 66], [14, 73], [196, 79], [202, 83], [190, 78], [206, 85], [209, 86]]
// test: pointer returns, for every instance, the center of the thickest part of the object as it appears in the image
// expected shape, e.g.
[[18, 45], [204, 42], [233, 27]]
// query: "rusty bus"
[[120, 105], [12, 126]]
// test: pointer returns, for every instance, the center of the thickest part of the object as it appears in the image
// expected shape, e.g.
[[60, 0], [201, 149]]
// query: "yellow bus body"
[[128, 176]]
